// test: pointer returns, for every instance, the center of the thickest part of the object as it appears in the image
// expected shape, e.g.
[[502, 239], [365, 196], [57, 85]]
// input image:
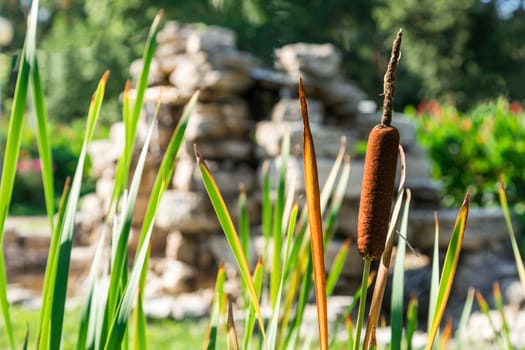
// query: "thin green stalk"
[[362, 304]]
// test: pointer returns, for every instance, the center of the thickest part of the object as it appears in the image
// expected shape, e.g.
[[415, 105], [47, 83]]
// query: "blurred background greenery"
[[461, 53]]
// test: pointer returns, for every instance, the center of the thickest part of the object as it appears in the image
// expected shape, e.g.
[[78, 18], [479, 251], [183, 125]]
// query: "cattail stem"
[[389, 81], [362, 303]]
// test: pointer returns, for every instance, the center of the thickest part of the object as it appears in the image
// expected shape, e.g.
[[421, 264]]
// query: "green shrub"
[[471, 150], [28, 195]]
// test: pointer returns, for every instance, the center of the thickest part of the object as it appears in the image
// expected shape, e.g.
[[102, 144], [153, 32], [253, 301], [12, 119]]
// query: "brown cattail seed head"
[[377, 190]]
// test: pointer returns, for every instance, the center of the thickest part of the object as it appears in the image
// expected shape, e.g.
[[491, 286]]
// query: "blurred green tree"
[[464, 51], [461, 51]]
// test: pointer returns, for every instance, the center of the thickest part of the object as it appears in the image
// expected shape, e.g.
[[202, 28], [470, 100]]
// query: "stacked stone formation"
[[336, 108], [191, 58]]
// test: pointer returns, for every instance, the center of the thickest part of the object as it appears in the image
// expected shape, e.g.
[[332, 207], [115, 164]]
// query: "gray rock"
[[270, 134], [319, 60], [191, 305], [485, 227], [104, 154], [210, 38], [289, 109], [186, 211], [156, 73], [273, 79], [16, 295], [230, 58], [231, 121], [165, 94], [341, 96], [158, 308], [178, 277], [191, 74], [179, 247], [227, 175], [234, 149]]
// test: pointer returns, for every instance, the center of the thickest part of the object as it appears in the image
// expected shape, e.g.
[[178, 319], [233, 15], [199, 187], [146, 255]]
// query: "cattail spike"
[[389, 81]]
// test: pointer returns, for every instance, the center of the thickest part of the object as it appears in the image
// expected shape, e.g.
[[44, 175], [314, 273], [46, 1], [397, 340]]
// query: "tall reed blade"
[[277, 228], [131, 116], [230, 232], [337, 267], [465, 314], [66, 235], [272, 328], [250, 320], [44, 146], [120, 321], [398, 284], [498, 301], [512, 235], [315, 222], [44, 323], [449, 269], [83, 332], [11, 154], [411, 321], [233, 343], [218, 300]]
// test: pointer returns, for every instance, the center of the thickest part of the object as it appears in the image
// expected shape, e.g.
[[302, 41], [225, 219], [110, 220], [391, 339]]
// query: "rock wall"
[[242, 115]]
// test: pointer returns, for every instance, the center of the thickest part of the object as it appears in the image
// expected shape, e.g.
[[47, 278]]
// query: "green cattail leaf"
[[131, 116], [485, 309], [219, 296], [337, 201], [350, 308], [292, 338], [434, 279], [272, 328], [166, 168], [266, 204], [250, 320], [315, 223], [411, 321], [63, 256], [120, 321], [337, 267], [244, 236], [398, 283], [83, 331], [139, 337], [498, 301], [11, 154], [232, 237], [44, 146], [233, 343], [449, 269], [350, 332], [44, 323], [120, 261], [277, 229], [512, 235], [465, 315]]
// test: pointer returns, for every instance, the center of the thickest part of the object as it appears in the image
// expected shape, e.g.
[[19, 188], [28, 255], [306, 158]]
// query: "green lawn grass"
[[162, 334]]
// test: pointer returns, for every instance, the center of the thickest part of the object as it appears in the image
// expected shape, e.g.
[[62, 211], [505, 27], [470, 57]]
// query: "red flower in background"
[[515, 108]]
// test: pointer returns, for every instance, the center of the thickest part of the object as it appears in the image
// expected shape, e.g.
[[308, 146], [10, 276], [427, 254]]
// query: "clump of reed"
[[295, 239]]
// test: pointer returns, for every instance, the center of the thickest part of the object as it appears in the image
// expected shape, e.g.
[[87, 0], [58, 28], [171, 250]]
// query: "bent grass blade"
[[449, 269], [232, 237]]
